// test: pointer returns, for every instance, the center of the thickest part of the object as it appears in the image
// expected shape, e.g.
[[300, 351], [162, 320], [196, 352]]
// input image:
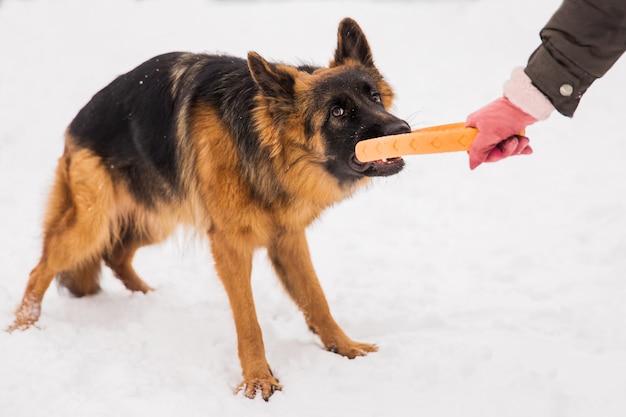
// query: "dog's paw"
[[26, 315], [352, 349], [265, 386], [21, 324]]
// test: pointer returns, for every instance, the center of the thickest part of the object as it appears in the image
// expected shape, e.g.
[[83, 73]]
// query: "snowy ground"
[[499, 292]]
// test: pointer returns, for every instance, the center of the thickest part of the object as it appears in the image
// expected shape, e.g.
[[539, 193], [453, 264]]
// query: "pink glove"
[[497, 124], [499, 121]]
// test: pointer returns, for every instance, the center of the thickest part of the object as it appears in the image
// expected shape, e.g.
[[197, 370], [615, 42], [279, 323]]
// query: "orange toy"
[[445, 138]]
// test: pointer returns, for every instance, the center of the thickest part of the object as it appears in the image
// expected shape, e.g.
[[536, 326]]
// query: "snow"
[[495, 292]]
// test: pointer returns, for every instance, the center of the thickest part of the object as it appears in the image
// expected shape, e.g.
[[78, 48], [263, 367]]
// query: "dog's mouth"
[[379, 168]]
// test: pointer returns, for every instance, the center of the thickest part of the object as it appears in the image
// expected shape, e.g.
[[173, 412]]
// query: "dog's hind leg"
[[76, 228], [289, 253], [120, 259]]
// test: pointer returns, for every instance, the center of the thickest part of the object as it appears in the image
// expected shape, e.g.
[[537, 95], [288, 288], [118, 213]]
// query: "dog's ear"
[[352, 44], [275, 82]]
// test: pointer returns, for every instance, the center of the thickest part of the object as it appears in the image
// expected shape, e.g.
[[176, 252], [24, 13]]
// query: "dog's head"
[[326, 111]]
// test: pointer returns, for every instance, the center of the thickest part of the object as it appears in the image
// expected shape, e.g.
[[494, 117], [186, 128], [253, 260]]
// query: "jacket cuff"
[[520, 91], [562, 87]]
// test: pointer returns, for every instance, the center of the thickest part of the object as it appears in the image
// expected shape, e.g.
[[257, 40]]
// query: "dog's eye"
[[337, 111], [376, 97]]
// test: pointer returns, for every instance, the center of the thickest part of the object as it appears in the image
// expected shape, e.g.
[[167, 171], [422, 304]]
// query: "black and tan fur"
[[247, 152]]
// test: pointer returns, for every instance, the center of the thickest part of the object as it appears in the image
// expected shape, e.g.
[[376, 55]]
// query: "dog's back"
[[138, 122]]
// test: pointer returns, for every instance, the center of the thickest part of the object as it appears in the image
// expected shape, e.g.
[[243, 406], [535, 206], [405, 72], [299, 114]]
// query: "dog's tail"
[[83, 279], [76, 226]]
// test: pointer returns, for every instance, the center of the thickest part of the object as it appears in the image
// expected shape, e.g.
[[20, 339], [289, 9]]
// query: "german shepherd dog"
[[248, 153]]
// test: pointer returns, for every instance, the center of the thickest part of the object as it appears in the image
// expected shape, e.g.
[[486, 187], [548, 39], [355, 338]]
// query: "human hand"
[[498, 124]]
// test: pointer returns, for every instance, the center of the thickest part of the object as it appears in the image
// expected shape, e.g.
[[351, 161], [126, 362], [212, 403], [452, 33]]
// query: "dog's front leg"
[[234, 266], [290, 256]]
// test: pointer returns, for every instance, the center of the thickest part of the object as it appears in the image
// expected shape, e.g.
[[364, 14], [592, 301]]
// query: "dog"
[[246, 152]]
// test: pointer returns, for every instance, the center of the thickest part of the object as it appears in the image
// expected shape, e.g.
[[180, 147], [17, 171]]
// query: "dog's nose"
[[396, 128]]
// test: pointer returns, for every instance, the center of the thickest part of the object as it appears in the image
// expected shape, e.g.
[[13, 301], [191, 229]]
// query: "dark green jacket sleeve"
[[580, 43]]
